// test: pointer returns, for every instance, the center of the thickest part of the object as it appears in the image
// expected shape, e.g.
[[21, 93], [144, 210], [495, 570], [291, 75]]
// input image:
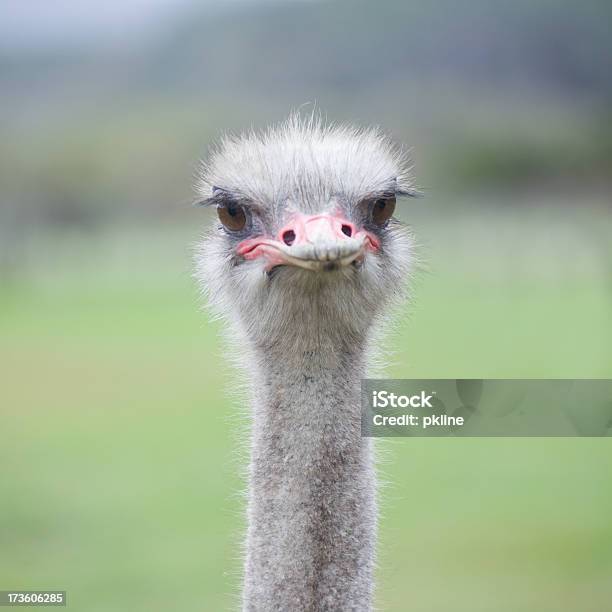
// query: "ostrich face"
[[305, 232]]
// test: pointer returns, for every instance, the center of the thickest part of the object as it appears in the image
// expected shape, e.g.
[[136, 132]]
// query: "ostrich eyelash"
[[221, 197], [411, 192]]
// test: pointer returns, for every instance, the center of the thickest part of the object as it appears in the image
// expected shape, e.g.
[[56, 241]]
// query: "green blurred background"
[[122, 449]]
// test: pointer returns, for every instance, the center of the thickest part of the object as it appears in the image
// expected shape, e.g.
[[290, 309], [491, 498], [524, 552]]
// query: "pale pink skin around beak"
[[313, 242]]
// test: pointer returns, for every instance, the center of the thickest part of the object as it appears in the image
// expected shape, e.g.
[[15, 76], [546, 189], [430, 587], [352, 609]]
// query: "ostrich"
[[304, 265]]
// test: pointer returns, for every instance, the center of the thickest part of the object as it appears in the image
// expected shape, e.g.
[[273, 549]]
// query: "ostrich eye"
[[232, 217], [382, 210]]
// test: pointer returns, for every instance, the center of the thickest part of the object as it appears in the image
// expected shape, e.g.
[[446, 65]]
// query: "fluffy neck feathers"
[[312, 512]]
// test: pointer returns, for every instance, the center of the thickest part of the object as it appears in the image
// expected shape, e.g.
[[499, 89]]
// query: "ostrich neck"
[[312, 514]]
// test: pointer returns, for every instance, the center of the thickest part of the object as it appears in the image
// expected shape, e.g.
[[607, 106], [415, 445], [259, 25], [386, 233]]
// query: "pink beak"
[[313, 242]]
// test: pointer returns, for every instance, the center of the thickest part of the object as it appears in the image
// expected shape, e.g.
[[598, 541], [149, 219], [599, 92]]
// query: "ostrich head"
[[306, 244]]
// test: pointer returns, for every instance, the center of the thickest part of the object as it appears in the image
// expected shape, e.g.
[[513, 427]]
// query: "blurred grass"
[[120, 467]]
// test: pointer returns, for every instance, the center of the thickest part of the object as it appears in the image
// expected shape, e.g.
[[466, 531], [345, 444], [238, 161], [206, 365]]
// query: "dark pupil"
[[232, 211], [381, 204]]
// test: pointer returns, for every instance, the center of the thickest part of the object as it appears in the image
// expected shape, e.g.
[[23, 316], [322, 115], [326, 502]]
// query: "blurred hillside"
[[496, 94]]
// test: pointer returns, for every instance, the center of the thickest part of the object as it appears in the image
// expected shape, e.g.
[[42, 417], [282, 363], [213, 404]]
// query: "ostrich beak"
[[312, 242]]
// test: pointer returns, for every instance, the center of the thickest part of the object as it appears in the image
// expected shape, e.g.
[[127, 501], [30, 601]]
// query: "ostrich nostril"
[[289, 237], [347, 230]]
